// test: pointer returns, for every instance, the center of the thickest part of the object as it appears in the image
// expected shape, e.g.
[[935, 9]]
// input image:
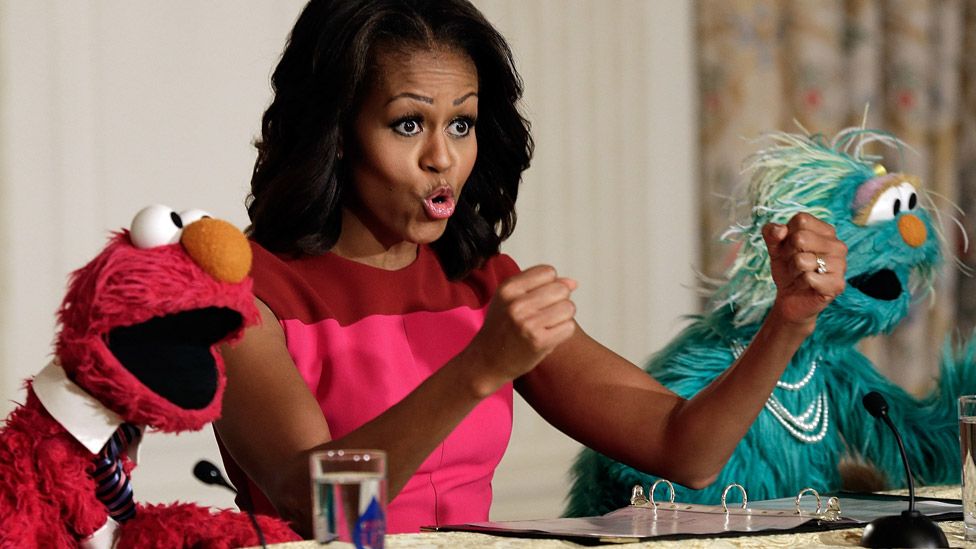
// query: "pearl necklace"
[[802, 426], [799, 427]]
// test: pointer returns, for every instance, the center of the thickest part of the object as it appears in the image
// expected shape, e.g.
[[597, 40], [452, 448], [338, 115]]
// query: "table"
[[466, 540]]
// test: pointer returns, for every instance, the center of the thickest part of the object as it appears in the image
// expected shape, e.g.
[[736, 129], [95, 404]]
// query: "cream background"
[[109, 105]]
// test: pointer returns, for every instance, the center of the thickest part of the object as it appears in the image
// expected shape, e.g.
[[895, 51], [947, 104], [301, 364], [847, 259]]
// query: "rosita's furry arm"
[[928, 425]]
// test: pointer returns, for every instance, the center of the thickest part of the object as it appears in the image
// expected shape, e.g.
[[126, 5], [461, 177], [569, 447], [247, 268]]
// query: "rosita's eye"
[[908, 190], [155, 225], [891, 202], [407, 126], [460, 127]]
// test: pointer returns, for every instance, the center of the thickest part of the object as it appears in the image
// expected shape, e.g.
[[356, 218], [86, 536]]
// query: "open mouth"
[[883, 284], [171, 354], [440, 203]]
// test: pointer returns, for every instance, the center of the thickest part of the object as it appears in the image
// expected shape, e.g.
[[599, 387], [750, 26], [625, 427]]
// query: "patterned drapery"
[[769, 64]]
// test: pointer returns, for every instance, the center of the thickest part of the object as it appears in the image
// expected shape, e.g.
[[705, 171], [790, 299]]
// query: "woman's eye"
[[460, 127], [408, 127]]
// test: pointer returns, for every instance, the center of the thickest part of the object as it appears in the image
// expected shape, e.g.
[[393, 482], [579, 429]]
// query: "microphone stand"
[[208, 473], [910, 528]]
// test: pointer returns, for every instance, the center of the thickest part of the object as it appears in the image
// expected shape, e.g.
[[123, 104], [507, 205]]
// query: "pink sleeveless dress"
[[362, 339]]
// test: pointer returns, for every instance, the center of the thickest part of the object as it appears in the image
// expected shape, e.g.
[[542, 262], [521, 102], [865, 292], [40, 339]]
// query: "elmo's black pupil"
[[176, 219]]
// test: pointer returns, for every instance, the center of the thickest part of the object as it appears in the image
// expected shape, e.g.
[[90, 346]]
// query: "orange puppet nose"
[[219, 248], [912, 230]]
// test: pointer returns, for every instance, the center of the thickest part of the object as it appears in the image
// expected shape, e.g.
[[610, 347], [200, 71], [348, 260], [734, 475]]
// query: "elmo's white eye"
[[189, 216], [155, 225], [891, 202]]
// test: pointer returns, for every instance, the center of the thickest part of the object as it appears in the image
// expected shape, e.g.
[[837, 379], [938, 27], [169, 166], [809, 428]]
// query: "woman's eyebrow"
[[415, 97], [430, 100], [464, 98]]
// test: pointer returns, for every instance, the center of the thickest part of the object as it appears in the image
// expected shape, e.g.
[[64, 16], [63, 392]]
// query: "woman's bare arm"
[[611, 405], [270, 420]]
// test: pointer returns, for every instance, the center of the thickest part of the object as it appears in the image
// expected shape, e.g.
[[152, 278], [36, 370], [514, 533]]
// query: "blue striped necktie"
[[112, 486]]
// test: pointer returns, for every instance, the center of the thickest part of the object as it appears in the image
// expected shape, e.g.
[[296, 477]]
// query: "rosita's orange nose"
[[219, 248], [912, 230]]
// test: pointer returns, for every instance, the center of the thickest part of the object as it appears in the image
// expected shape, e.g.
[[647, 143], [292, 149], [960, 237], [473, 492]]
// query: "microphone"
[[208, 473], [911, 528]]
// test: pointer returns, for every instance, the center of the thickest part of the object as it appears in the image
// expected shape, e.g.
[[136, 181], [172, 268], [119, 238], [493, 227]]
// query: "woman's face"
[[414, 146]]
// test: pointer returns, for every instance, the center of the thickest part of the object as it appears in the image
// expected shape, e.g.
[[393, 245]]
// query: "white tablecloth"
[[465, 540]]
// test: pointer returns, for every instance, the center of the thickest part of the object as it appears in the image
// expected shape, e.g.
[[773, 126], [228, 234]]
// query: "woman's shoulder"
[[281, 282], [492, 272], [268, 267], [500, 265]]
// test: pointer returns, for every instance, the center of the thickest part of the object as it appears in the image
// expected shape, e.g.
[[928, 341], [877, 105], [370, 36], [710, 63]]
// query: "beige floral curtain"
[[765, 63]]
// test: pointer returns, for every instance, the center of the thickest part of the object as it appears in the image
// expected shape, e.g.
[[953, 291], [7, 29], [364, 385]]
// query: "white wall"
[[108, 105]]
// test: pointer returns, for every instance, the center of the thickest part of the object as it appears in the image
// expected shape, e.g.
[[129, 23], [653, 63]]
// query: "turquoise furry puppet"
[[814, 418]]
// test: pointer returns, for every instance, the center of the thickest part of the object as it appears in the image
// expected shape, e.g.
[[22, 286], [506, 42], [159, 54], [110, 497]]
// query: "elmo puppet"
[[136, 349]]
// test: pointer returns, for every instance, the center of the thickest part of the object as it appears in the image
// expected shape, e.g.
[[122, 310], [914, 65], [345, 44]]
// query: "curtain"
[[821, 65]]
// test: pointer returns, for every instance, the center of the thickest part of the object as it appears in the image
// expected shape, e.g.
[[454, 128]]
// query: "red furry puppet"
[[137, 348]]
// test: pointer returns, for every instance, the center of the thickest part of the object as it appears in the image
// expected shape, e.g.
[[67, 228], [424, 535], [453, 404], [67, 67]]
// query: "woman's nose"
[[436, 156]]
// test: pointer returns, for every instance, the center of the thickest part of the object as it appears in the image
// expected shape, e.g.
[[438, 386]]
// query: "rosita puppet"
[[813, 422], [136, 349]]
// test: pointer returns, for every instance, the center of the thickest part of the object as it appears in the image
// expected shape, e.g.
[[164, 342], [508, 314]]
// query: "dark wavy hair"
[[326, 68]]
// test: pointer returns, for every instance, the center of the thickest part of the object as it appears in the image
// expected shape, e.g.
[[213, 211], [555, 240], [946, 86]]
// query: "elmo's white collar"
[[87, 419]]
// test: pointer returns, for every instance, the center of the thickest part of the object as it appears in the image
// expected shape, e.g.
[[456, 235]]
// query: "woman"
[[386, 179]]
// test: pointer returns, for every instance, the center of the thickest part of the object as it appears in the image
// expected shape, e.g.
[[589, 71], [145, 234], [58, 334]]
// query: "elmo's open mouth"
[[171, 354], [883, 284]]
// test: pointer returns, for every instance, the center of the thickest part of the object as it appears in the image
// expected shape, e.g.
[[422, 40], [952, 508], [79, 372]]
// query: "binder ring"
[[654, 487], [833, 509], [800, 495], [745, 500], [637, 496]]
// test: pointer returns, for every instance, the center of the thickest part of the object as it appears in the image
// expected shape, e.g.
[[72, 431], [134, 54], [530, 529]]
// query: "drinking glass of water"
[[349, 496], [967, 445]]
